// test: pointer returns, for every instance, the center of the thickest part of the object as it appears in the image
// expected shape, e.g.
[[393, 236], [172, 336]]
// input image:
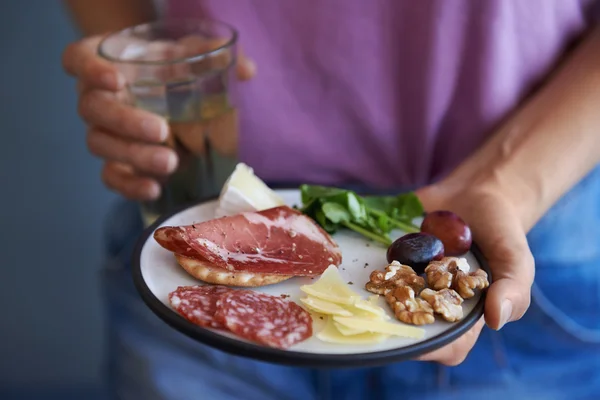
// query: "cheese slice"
[[369, 308], [382, 327], [331, 287], [325, 307], [331, 335], [344, 330], [245, 192]]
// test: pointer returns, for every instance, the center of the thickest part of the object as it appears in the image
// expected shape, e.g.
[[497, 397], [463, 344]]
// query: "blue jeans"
[[553, 353]]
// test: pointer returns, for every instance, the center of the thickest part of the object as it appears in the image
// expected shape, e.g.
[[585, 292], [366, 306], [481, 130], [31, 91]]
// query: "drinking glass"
[[183, 70]]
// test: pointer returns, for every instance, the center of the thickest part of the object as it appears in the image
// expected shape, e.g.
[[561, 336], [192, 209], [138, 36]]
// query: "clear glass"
[[183, 70]]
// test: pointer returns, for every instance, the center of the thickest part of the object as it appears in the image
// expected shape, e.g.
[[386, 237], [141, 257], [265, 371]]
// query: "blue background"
[[51, 213]]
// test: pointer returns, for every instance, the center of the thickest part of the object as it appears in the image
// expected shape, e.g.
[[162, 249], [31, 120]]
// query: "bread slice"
[[205, 271]]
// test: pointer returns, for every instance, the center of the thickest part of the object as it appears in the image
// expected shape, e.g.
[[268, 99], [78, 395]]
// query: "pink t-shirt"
[[385, 92]]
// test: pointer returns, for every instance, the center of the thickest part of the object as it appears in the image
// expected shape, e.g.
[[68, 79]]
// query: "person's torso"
[[386, 92]]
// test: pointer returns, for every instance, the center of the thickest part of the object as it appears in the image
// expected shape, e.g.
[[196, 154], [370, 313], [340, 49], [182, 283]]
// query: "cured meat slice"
[[263, 318], [198, 304], [278, 241]]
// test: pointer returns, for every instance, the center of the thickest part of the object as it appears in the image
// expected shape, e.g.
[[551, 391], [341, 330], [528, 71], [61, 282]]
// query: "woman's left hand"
[[500, 235]]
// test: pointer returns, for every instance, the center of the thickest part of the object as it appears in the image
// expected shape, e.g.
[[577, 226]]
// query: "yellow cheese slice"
[[331, 287], [331, 335], [369, 308], [325, 307], [344, 330], [382, 327]]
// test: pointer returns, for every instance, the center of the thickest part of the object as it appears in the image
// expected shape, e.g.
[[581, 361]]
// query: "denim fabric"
[[553, 353]]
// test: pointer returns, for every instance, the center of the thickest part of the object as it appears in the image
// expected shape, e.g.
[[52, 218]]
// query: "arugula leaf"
[[335, 212], [372, 216]]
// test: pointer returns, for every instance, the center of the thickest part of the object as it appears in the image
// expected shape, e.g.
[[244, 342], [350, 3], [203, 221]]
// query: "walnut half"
[[394, 276], [441, 273], [409, 309], [447, 274], [445, 302], [465, 284]]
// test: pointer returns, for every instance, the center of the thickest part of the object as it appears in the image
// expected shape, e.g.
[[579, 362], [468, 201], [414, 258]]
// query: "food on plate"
[[466, 283], [331, 287], [445, 302], [416, 250], [440, 273], [245, 192], [371, 216], [263, 318], [257, 317], [408, 308], [198, 304], [207, 272], [395, 275], [278, 241], [362, 320], [325, 307], [331, 334], [449, 282], [454, 233], [452, 272], [383, 327]]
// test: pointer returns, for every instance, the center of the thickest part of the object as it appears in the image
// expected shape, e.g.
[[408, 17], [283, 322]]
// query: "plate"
[[156, 274]]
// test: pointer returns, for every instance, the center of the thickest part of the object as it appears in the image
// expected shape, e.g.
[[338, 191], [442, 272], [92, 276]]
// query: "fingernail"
[[164, 161], [155, 130], [153, 191], [505, 313]]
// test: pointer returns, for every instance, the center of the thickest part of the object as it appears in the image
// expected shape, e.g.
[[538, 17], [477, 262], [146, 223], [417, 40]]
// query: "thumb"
[[509, 295]]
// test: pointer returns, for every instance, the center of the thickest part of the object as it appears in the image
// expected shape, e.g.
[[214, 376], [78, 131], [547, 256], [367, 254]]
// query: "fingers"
[[245, 68], [148, 158], [122, 179], [504, 243], [81, 59], [102, 108], [456, 352], [509, 296]]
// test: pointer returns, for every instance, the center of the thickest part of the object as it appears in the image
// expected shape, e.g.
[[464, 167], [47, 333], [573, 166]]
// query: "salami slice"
[[263, 318], [277, 241], [198, 304]]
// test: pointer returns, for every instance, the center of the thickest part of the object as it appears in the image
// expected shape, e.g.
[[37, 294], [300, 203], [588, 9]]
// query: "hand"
[[127, 139], [501, 237]]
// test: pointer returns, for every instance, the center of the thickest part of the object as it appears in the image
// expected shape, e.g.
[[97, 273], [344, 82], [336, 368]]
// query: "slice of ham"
[[278, 241]]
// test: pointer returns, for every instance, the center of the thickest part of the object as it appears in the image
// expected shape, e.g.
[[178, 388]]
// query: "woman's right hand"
[[128, 139]]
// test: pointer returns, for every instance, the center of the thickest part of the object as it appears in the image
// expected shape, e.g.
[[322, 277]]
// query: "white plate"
[[156, 274]]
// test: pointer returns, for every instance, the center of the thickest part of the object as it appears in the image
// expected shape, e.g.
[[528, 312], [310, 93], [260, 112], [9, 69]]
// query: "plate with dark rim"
[[156, 274]]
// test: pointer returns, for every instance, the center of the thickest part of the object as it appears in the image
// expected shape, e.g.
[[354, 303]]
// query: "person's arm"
[[549, 144], [546, 147], [99, 17]]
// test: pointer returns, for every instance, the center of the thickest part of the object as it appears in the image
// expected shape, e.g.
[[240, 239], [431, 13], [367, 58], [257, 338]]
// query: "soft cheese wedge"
[[331, 287], [245, 192], [382, 327], [331, 335]]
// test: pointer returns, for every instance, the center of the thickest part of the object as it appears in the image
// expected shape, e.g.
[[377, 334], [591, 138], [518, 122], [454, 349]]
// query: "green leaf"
[[406, 206], [356, 207], [322, 220], [335, 212], [310, 192]]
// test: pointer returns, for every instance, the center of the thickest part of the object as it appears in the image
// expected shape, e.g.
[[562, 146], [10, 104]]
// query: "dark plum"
[[454, 233], [416, 250]]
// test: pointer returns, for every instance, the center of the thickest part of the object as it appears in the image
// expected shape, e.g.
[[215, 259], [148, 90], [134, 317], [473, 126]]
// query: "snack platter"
[[342, 314]]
